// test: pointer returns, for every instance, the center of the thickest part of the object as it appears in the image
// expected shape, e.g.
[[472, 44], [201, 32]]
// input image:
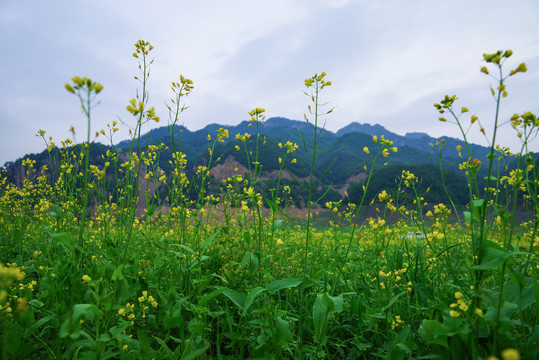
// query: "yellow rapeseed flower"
[[98, 88], [510, 354]]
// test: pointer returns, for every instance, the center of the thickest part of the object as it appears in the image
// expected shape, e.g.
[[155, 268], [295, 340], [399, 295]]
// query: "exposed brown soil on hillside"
[[228, 168], [352, 179]]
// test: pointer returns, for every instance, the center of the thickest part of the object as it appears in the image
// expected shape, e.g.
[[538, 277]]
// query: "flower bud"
[[69, 88], [521, 68]]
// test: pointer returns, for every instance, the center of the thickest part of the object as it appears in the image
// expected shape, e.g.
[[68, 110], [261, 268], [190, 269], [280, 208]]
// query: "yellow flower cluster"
[[333, 205], [317, 79], [463, 306], [290, 147], [185, 86], [393, 277], [128, 308], [507, 354], [28, 162], [9, 274], [409, 178], [243, 137], [222, 134], [80, 83], [144, 300], [142, 48], [257, 115], [397, 322], [374, 224]]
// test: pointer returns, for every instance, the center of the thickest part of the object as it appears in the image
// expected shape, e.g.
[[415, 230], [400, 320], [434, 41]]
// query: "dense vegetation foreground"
[[229, 274]]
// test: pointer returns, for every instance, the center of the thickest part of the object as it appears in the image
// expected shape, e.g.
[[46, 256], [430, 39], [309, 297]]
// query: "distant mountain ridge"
[[418, 140], [341, 151], [339, 168]]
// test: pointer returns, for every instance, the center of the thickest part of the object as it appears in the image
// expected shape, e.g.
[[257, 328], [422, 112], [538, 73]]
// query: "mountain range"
[[340, 156]]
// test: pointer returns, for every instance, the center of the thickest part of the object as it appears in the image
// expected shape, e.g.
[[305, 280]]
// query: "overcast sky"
[[388, 60]]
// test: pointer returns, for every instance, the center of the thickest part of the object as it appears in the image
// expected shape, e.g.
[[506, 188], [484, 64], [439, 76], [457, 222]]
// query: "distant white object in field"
[[415, 235]]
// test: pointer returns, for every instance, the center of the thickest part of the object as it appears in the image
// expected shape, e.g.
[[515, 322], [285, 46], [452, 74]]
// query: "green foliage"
[[430, 186]]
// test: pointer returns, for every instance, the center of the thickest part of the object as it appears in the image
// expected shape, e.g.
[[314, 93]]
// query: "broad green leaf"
[[521, 292], [468, 217], [205, 300], [236, 297], [117, 274], [186, 248], [504, 322], [89, 311], [398, 345], [277, 285], [335, 303], [253, 259], [196, 326], [533, 340], [196, 349], [32, 329], [477, 203], [65, 240], [144, 341], [320, 319], [477, 207], [208, 241], [323, 306], [150, 211], [71, 326], [247, 237], [36, 303], [455, 326], [492, 258], [164, 347], [283, 330], [251, 297], [393, 299], [277, 224], [271, 205]]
